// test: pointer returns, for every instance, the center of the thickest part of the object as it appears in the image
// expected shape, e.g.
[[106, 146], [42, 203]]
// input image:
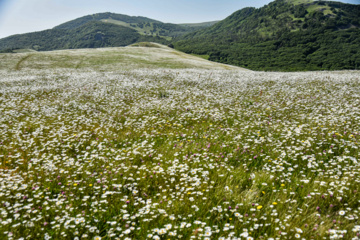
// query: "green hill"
[[98, 30], [89, 35], [100, 16], [283, 35], [142, 25]]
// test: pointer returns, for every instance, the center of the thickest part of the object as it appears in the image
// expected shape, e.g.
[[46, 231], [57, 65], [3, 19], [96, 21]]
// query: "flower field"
[[179, 154]]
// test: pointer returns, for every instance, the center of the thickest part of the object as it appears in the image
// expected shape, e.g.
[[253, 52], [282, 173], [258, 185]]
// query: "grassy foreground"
[[179, 154]]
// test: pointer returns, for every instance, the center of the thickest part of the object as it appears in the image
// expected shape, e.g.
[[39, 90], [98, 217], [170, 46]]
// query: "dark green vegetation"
[[283, 35], [89, 35], [98, 30]]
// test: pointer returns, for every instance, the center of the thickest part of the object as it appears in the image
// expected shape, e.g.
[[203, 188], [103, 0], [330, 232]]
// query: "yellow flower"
[[259, 207], [90, 185], [282, 185], [75, 184], [274, 203], [230, 219]]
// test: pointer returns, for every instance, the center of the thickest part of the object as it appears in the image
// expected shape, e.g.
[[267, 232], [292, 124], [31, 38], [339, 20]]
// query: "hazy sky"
[[20, 16]]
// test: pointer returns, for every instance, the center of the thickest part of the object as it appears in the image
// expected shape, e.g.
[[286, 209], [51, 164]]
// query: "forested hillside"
[[143, 25], [99, 30], [89, 35], [283, 35]]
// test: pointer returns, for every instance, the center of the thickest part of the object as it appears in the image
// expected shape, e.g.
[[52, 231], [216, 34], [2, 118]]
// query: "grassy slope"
[[99, 16], [297, 2], [141, 55], [146, 30]]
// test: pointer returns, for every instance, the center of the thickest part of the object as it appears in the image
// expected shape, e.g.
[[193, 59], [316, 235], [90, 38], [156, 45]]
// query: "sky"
[[21, 16]]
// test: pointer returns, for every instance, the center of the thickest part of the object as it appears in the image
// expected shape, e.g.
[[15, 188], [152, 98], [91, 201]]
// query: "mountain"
[[89, 35], [285, 35], [99, 30], [142, 25]]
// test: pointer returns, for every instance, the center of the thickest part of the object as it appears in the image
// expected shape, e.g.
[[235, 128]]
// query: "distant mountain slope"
[[98, 30], [99, 16], [285, 35], [143, 25], [89, 35]]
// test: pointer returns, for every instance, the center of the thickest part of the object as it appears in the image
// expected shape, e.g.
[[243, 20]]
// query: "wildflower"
[[244, 234]]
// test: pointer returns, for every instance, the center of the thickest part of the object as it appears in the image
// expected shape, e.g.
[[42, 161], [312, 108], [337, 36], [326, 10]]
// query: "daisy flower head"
[[341, 212]]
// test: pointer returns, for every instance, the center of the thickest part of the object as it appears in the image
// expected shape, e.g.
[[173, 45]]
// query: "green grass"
[[323, 8], [204, 56], [146, 30], [146, 44], [139, 55], [23, 50], [298, 2], [142, 31]]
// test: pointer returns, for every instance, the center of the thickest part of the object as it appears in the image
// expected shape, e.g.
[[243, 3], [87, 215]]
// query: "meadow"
[[177, 153]]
